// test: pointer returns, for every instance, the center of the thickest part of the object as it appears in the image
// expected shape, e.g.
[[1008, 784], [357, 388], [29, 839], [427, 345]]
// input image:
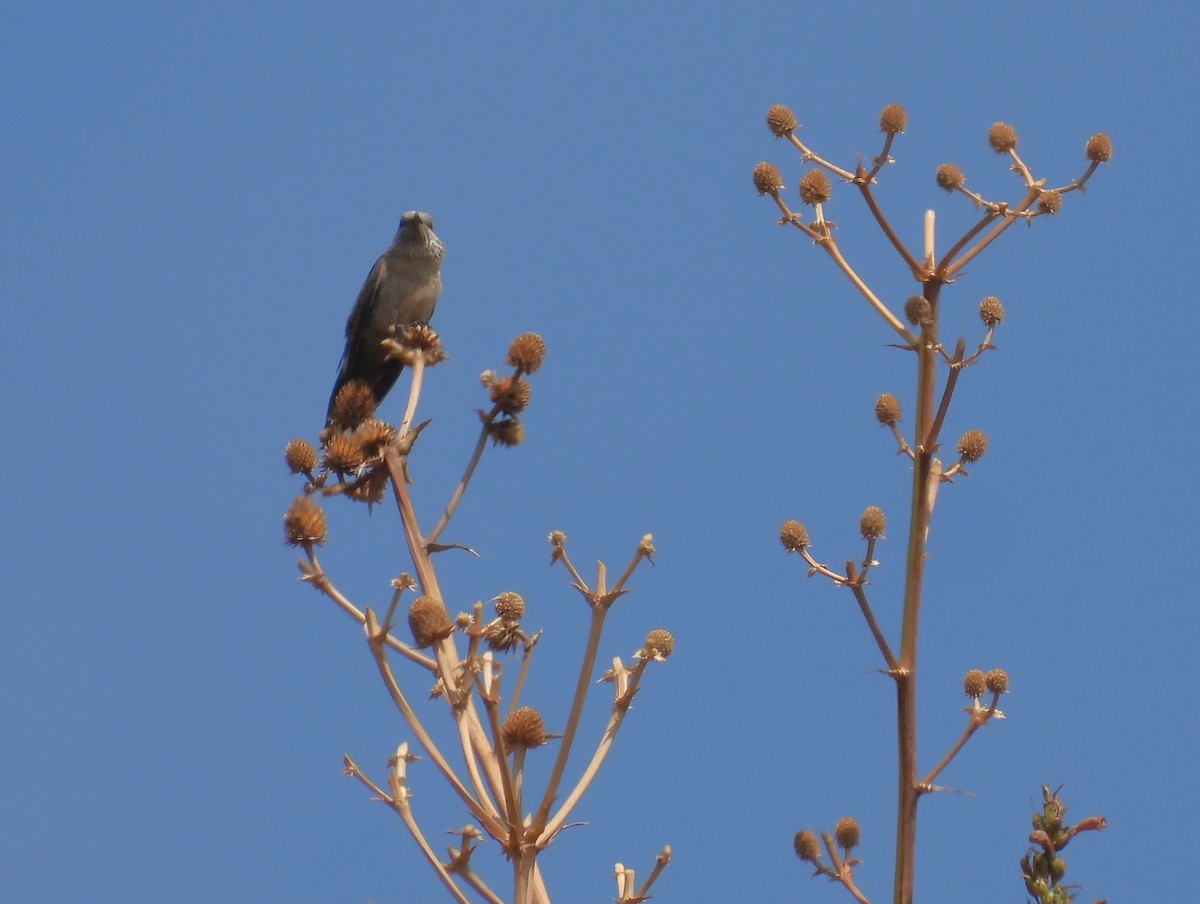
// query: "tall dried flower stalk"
[[472, 658], [917, 325]]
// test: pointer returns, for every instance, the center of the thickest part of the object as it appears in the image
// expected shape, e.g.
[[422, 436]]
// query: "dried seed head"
[[793, 536], [1098, 148], [893, 118], [372, 436], [506, 432], [343, 453], [949, 177], [814, 187], [846, 832], [872, 523], [887, 408], [369, 488], [1050, 201], [807, 846], [418, 341], [527, 352], [781, 120], [429, 621], [304, 523], [510, 394], [974, 683], [972, 445], [300, 456], [523, 727], [352, 405], [510, 605], [991, 311], [918, 310], [996, 681], [767, 178], [660, 643], [1002, 137]]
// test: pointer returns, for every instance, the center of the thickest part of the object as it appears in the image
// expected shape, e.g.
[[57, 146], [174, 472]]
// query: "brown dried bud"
[[510, 605], [807, 846], [991, 311], [974, 683], [300, 456], [660, 643], [510, 394], [372, 436], [527, 352], [814, 187], [523, 727], [1002, 137], [872, 523], [1050, 201], [429, 621], [887, 409], [418, 341], [949, 177], [793, 535], [972, 445], [767, 178], [997, 681], [369, 488], [506, 432], [893, 118], [781, 120], [352, 405], [304, 523], [1098, 148], [846, 832], [918, 310], [343, 453]]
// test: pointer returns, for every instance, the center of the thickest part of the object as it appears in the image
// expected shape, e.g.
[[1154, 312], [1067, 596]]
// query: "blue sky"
[[192, 198]]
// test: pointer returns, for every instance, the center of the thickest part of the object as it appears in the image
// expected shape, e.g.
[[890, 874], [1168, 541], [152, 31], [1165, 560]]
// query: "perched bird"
[[401, 288]]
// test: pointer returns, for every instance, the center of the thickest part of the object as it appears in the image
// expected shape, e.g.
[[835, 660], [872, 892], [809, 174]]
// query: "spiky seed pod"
[[767, 178], [974, 683], [781, 120], [918, 310], [419, 341], [370, 489], [304, 523], [893, 118], [1002, 137], [510, 605], [814, 187], [1050, 201], [949, 177], [997, 681], [1098, 148], [807, 846], [343, 453], [503, 636], [487, 378], [972, 445], [300, 456], [352, 405], [887, 409], [429, 621], [523, 727], [872, 523], [660, 643], [527, 352], [506, 432], [991, 311], [846, 832], [793, 535], [510, 394], [372, 436]]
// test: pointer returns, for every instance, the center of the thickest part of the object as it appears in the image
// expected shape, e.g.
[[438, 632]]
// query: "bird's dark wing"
[[352, 366]]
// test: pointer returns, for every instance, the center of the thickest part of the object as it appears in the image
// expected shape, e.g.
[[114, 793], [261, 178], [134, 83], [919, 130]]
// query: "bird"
[[402, 288]]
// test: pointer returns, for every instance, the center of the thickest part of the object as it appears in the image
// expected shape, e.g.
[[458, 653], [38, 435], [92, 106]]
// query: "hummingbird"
[[402, 288]]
